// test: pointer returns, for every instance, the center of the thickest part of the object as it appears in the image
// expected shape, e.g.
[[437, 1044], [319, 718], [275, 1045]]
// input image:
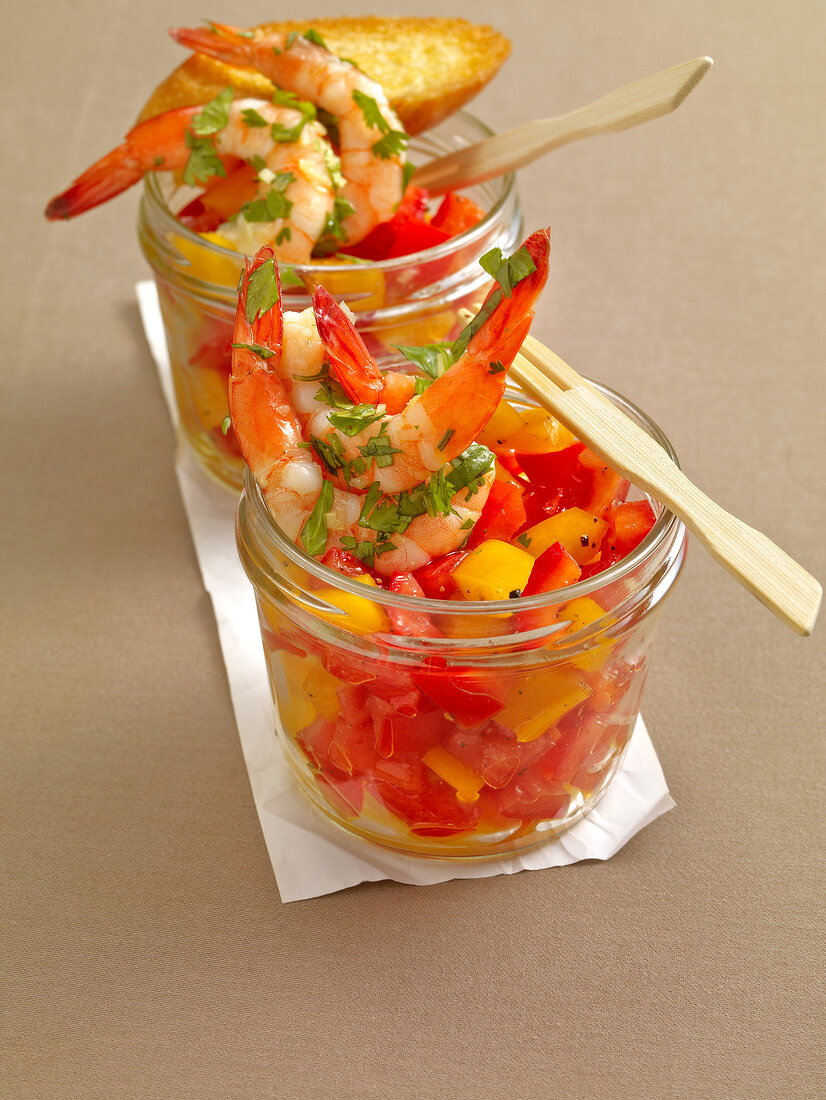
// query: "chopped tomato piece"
[[414, 236], [414, 624], [554, 568], [632, 521], [343, 562], [436, 578], [457, 213], [552, 469]]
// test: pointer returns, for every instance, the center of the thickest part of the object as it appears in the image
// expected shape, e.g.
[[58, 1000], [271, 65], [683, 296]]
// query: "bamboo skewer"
[[756, 562], [625, 107]]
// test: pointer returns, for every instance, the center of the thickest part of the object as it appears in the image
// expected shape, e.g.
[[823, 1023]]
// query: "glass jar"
[[455, 729], [410, 300]]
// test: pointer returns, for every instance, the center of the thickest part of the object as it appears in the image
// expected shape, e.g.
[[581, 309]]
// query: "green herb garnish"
[[314, 532]]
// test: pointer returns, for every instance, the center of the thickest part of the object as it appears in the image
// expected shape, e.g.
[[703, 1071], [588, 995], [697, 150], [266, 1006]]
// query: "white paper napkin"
[[309, 855]]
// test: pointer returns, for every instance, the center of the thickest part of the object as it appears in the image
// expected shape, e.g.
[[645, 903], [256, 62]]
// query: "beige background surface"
[[146, 949]]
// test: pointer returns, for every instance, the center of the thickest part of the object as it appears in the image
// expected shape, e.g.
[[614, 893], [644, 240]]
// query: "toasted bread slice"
[[429, 68]]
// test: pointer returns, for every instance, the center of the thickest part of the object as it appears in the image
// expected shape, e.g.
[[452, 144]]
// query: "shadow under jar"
[[413, 299], [455, 729]]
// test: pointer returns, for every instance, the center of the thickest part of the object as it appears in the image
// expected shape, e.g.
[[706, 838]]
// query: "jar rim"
[[506, 188], [668, 530]]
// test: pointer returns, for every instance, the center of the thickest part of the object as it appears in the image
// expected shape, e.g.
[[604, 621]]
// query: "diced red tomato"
[[415, 624], [492, 752], [433, 811], [501, 517], [343, 562], [553, 469], [457, 213], [554, 568], [414, 236], [379, 241], [585, 749], [631, 522], [436, 577]]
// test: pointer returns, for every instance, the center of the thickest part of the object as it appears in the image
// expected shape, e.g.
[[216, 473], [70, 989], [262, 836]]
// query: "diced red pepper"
[[468, 695], [554, 568], [436, 577], [553, 469], [415, 236], [457, 213], [379, 241], [501, 517], [433, 811]]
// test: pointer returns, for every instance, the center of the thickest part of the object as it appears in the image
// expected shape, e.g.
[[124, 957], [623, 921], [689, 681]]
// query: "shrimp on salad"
[[304, 192], [325, 465], [372, 141], [295, 191]]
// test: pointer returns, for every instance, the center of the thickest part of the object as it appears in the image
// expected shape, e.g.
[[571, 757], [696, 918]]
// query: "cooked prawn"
[[372, 141], [326, 466], [292, 482], [430, 429], [294, 183]]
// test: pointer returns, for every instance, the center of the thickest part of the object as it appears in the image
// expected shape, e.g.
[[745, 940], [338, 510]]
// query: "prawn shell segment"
[[428, 68]]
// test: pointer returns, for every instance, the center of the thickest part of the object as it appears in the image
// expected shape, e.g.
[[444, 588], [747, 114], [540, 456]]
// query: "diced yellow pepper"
[[538, 704], [295, 709], [208, 265], [579, 532], [209, 396], [361, 285], [492, 571], [579, 613], [362, 616], [320, 687], [530, 431], [465, 782]]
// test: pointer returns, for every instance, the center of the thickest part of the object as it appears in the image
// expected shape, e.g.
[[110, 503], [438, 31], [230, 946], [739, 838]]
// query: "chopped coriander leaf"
[[253, 119], [314, 532], [468, 468], [284, 235], [496, 368], [524, 539], [370, 109], [157, 162], [226, 424], [508, 271], [330, 451], [258, 349], [466, 526], [421, 384], [203, 161], [472, 327], [262, 291], [380, 449], [323, 373], [214, 116], [273, 206], [331, 393], [379, 513], [366, 551], [312, 35], [407, 172], [392, 144], [433, 359], [358, 418], [446, 438], [333, 165], [289, 278]]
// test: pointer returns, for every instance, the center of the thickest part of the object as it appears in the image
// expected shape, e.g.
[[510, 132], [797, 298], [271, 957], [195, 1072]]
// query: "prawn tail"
[[262, 416], [156, 144], [352, 364], [112, 174], [216, 40], [524, 294]]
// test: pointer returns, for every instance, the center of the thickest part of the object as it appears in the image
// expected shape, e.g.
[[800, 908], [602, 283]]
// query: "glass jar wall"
[[455, 729]]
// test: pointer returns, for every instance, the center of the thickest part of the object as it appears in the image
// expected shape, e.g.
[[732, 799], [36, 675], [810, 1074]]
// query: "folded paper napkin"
[[310, 856]]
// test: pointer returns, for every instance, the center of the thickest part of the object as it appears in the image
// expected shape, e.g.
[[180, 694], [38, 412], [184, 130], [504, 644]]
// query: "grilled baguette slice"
[[429, 68]]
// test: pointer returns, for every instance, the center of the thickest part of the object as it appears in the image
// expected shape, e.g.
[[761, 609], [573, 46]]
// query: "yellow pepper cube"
[[465, 782], [208, 265], [320, 687], [578, 531], [536, 705], [362, 616], [580, 613], [492, 571], [295, 709], [529, 431], [361, 285]]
